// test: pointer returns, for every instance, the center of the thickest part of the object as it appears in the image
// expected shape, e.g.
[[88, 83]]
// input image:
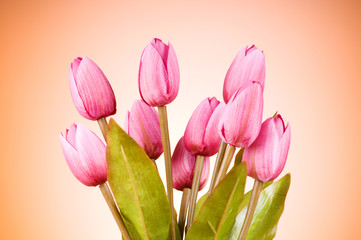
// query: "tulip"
[[183, 163], [85, 154], [267, 156], [92, 94], [142, 124], [242, 117], [158, 74], [247, 66], [201, 135]]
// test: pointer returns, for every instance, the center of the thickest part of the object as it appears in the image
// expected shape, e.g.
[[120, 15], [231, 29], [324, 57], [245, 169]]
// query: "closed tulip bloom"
[[201, 135], [247, 66], [183, 163], [242, 118], [267, 156], [92, 94], [142, 124], [85, 154], [158, 74]]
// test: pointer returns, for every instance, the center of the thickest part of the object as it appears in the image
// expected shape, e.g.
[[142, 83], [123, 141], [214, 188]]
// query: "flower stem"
[[183, 210], [163, 120], [103, 124], [225, 164], [257, 188], [217, 165], [114, 210], [194, 191]]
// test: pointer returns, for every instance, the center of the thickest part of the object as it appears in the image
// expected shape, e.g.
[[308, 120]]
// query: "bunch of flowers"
[[127, 162]]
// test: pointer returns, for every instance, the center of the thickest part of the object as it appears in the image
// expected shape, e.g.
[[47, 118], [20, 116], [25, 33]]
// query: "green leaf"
[[268, 211], [239, 157], [137, 187], [217, 215], [200, 204]]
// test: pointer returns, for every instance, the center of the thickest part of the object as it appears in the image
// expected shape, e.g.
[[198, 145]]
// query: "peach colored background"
[[313, 64]]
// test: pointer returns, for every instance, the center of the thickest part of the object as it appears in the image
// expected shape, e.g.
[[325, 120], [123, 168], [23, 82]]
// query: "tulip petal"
[[161, 48], [173, 74], [280, 126], [183, 163], [144, 128], [153, 77], [70, 135], [78, 102], [92, 153], [247, 66], [197, 125], [284, 147], [211, 136], [72, 158], [260, 156], [94, 90], [242, 117]]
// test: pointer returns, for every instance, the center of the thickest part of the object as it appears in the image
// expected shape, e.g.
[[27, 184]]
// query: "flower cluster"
[[235, 122]]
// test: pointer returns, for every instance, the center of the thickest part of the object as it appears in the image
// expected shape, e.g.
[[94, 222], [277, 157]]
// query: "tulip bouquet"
[[141, 206]]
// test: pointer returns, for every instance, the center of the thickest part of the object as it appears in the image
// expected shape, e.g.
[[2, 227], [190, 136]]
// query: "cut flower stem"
[[114, 210], [163, 120], [225, 164], [183, 210], [194, 191], [103, 124], [217, 165], [257, 188]]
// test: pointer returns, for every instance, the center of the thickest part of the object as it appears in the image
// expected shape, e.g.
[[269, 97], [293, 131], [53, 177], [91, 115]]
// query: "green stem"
[[163, 120], [217, 165], [114, 210], [195, 187], [257, 188]]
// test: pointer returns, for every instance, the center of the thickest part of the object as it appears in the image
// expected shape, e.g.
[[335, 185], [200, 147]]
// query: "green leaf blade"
[[217, 214], [269, 209], [137, 187]]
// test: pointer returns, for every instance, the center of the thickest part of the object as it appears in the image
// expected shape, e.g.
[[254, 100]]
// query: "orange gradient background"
[[313, 63]]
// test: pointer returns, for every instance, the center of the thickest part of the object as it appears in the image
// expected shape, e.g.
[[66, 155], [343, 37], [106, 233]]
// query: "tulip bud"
[[92, 94], [158, 74], [267, 155], [247, 66], [85, 154], [201, 135], [242, 118], [142, 124], [183, 163]]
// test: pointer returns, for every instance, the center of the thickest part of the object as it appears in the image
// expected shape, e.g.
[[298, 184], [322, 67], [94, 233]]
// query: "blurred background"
[[312, 51]]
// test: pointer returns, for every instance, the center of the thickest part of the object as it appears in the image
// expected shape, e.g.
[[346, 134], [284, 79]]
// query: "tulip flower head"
[[142, 124], [242, 118], [267, 155], [183, 163], [85, 154], [248, 66], [158, 74], [92, 94], [201, 135]]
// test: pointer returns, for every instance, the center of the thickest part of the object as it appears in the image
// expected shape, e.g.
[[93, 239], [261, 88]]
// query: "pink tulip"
[[201, 135], [158, 74], [142, 124], [247, 66], [92, 94], [183, 163], [85, 154], [267, 156], [242, 117]]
